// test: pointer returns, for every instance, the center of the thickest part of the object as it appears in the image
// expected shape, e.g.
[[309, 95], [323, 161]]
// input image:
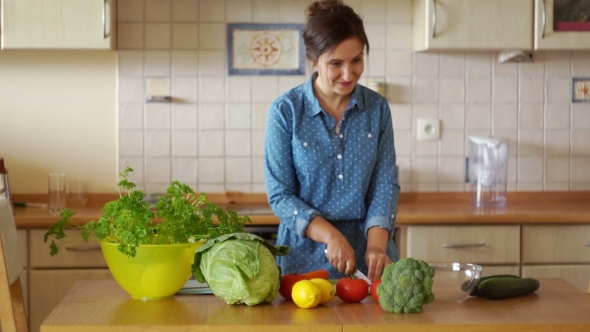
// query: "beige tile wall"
[[211, 135]]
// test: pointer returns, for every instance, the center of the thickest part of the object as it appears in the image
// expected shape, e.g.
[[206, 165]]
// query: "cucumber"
[[475, 291], [504, 287]]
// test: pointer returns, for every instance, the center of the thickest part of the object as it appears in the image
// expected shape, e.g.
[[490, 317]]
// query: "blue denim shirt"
[[310, 170]]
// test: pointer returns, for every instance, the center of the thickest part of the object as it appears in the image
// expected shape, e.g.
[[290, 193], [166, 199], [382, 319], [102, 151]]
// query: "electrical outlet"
[[428, 129]]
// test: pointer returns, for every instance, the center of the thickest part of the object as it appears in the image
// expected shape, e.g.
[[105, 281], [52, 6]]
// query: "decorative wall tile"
[[581, 116], [581, 89], [580, 142]]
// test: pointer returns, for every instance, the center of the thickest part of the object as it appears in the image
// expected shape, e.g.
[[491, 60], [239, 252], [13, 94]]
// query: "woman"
[[329, 156]]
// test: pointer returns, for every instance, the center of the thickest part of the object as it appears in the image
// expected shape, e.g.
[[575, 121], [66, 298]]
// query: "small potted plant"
[[150, 254]]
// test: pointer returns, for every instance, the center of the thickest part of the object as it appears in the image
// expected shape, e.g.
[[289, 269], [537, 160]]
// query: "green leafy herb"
[[181, 217]]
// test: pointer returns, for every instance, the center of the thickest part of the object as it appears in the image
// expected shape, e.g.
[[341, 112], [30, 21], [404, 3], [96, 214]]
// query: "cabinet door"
[[473, 25], [469, 244], [58, 24], [546, 38], [577, 275], [48, 287], [560, 244]]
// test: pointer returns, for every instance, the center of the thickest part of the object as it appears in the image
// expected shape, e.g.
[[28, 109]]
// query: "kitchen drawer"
[[74, 254], [471, 244], [556, 244], [577, 275]]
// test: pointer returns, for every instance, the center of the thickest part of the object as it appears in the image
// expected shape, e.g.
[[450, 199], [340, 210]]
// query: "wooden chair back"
[[13, 317]]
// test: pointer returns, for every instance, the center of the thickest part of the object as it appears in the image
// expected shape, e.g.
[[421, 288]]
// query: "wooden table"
[[104, 306]]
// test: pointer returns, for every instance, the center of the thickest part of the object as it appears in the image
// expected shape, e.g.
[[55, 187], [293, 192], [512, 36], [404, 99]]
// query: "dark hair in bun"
[[330, 22]]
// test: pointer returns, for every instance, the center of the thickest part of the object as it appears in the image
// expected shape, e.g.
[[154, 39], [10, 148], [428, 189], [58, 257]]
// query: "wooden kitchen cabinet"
[[557, 251], [472, 25], [546, 38], [58, 24], [485, 245], [50, 278]]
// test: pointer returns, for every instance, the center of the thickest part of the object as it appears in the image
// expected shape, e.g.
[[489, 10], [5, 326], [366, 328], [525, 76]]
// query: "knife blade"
[[361, 275]]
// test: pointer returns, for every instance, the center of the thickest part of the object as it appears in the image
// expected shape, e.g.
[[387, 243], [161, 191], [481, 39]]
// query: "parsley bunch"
[[181, 217]]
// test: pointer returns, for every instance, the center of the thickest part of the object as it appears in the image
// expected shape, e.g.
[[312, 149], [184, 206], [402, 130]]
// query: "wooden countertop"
[[101, 305], [413, 209]]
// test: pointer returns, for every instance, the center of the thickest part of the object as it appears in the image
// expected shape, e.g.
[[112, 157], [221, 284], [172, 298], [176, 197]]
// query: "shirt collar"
[[357, 98]]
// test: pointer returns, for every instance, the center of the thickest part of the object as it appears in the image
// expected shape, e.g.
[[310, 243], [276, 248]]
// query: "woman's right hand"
[[341, 255]]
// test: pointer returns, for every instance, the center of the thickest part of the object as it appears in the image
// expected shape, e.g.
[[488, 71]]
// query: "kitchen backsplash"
[[211, 135]]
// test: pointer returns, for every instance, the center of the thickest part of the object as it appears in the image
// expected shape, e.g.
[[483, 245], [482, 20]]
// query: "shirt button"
[[341, 136], [393, 216], [339, 156], [342, 118], [304, 143], [340, 176], [369, 135], [295, 212]]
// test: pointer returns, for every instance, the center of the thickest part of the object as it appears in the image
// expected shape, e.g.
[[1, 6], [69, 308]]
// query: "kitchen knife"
[[356, 273]]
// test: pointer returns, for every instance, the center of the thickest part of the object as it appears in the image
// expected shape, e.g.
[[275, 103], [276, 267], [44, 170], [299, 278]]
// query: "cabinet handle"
[[433, 18], [83, 248], [104, 19], [467, 245], [544, 19]]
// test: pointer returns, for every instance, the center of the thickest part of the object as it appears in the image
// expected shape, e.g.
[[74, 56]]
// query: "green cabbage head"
[[240, 268]]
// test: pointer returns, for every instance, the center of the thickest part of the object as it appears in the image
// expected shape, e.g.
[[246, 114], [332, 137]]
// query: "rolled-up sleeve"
[[384, 189], [279, 172]]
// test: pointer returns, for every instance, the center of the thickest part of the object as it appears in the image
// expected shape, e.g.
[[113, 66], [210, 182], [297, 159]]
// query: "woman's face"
[[340, 69]]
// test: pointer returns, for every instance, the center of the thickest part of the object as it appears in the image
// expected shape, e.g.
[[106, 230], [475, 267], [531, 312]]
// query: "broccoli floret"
[[406, 286]]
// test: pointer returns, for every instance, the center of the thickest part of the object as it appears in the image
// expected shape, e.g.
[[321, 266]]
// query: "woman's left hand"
[[376, 260]]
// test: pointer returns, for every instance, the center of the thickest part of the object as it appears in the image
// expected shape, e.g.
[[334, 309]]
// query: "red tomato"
[[287, 282], [374, 289], [352, 289], [316, 274]]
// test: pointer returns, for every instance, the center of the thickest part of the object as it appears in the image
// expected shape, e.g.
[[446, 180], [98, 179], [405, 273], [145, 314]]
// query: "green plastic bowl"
[[158, 271]]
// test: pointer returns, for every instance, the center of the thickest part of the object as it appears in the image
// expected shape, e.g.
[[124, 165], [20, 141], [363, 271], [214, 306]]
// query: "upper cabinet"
[[472, 25], [58, 24], [562, 25]]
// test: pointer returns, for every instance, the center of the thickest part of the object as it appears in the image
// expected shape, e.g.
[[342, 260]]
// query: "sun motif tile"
[[265, 49], [581, 90]]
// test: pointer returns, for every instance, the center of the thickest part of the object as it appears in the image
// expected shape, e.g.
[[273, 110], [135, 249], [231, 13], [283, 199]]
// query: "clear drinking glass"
[[57, 192], [78, 193]]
